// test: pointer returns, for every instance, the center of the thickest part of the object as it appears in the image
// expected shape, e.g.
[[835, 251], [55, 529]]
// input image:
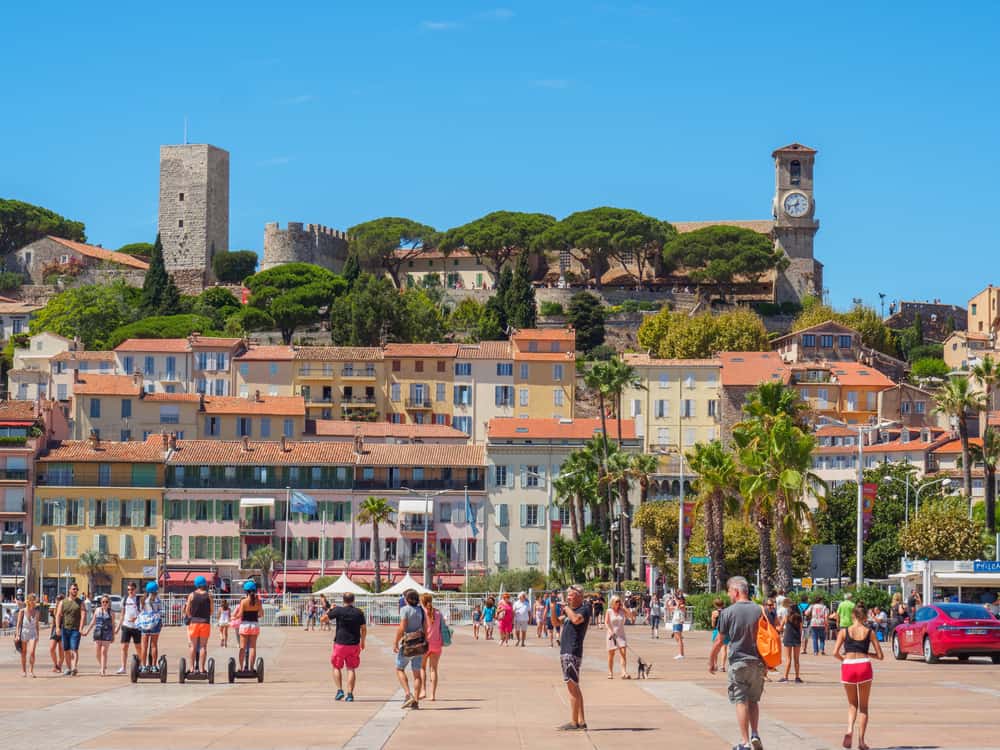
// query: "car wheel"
[[995, 658], [897, 649], [963, 657], [929, 656]]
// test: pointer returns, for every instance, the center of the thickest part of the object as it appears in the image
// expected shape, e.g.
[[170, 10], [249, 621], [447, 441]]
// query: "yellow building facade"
[[544, 371], [341, 382], [419, 379], [267, 369]]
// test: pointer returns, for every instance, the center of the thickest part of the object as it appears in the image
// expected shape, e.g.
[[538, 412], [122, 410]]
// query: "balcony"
[[244, 478], [419, 403], [170, 419], [359, 401], [68, 480], [315, 373], [351, 374], [420, 485], [170, 376], [417, 524], [318, 400], [13, 475], [14, 538], [259, 527]]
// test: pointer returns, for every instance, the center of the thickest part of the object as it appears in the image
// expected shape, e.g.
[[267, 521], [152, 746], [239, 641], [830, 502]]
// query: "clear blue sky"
[[340, 112]]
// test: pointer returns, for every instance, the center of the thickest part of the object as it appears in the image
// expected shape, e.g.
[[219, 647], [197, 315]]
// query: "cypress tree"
[[352, 269], [520, 303], [498, 302], [156, 281]]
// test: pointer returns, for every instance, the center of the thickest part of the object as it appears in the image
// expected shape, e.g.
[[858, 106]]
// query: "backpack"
[[768, 642], [445, 633]]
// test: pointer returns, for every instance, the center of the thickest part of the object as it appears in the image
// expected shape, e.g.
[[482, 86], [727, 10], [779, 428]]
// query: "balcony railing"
[[418, 403], [366, 373], [424, 484], [13, 538], [247, 481], [362, 400], [256, 526], [416, 524], [313, 372], [170, 419], [13, 475], [64, 480]]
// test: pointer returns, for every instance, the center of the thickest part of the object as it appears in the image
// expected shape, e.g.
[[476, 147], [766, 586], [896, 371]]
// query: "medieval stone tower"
[[310, 243], [795, 225], [194, 211]]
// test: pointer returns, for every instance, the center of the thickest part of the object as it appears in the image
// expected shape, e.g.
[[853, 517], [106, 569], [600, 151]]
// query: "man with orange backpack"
[[744, 625]]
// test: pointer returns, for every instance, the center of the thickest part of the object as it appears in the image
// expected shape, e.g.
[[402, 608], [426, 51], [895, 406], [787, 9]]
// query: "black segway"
[[257, 673], [158, 672], [183, 675]]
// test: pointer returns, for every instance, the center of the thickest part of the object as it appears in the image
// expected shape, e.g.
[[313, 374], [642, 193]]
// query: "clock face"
[[796, 205]]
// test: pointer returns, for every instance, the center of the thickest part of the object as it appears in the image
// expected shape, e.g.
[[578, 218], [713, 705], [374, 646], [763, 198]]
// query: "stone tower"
[[795, 225], [309, 243], [194, 211]]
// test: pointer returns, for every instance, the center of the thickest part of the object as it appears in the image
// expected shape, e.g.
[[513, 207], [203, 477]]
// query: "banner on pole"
[[869, 492], [688, 520]]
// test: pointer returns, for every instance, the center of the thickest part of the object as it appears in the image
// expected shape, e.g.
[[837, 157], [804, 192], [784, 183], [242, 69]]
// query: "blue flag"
[[470, 515], [302, 503]]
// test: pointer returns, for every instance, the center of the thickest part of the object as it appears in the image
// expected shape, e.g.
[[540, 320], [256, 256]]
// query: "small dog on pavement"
[[643, 668]]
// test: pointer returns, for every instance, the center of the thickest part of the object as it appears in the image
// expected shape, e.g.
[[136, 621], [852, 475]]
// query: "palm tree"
[[718, 486], [987, 372], [264, 559], [619, 474], [642, 467], [620, 377], [955, 399], [375, 510], [598, 379], [989, 454], [768, 400], [93, 561]]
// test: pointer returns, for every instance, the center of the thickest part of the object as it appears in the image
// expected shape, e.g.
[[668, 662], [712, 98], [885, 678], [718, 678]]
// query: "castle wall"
[[304, 243]]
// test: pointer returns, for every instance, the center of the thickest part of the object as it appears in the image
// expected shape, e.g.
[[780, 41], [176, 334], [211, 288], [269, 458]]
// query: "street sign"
[[807, 582], [986, 566], [700, 560]]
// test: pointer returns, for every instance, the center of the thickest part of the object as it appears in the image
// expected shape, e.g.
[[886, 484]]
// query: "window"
[[904, 408], [364, 549], [441, 419], [809, 340], [523, 397], [557, 372], [795, 172], [244, 426], [149, 366], [502, 516], [504, 395], [530, 515], [126, 408], [687, 408], [463, 395], [228, 510], [826, 341], [171, 367], [128, 365], [244, 369], [870, 397], [395, 392], [557, 395], [505, 369], [212, 426], [444, 512], [500, 475], [821, 395], [104, 475], [713, 407], [170, 414], [463, 423], [845, 342], [635, 408], [531, 553], [441, 366], [689, 381], [919, 407], [531, 477], [180, 197], [664, 380], [95, 408], [661, 408], [62, 392], [125, 436], [396, 365], [471, 549], [463, 368], [524, 371], [418, 365], [439, 392], [180, 223], [500, 553]]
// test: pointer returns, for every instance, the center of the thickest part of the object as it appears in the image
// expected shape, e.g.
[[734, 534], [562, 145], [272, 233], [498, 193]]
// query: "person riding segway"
[[151, 665], [248, 614], [198, 610]]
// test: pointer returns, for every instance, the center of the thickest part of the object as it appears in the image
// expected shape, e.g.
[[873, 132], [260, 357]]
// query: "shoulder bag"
[[415, 642]]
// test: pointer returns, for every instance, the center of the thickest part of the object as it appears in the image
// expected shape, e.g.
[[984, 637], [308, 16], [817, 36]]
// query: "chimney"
[[256, 396], [359, 444], [246, 444], [166, 440], [201, 402], [95, 441], [172, 442], [284, 445], [137, 379]]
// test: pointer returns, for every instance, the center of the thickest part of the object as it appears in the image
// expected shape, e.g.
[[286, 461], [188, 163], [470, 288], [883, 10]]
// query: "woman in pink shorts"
[[854, 644], [505, 615], [436, 623]]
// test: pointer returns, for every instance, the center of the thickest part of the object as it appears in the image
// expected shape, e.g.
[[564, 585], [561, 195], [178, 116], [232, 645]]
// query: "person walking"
[[104, 628], [791, 641], [198, 610], [818, 614], [803, 606], [489, 614], [539, 616], [677, 620], [129, 625], [717, 607], [505, 618], [71, 618], [26, 632], [410, 647], [738, 622], [855, 646], [324, 606], [436, 623], [522, 616], [845, 611], [311, 609], [614, 628], [150, 623], [348, 643], [477, 618], [655, 616], [574, 619], [55, 640], [225, 616]]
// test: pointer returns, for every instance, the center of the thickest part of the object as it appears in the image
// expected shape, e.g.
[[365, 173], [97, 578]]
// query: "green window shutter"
[[186, 509], [210, 544], [218, 510], [267, 514], [90, 512], [328, 549], [347, 512], [220, 550], [38, 512], [175, 546], [153, 503], [524, 515], [347, 549]]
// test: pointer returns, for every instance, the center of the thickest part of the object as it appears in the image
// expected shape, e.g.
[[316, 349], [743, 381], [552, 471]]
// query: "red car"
[[943, 629]]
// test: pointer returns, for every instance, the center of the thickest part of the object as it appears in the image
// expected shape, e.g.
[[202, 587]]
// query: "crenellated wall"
[[304, 243]]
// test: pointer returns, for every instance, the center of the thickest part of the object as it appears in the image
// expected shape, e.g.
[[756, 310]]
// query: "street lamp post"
[[428, 511], [945, 482], [25, 550]]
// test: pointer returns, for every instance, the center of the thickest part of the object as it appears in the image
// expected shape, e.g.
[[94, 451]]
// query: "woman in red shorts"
[[505, 615], [855, 647]]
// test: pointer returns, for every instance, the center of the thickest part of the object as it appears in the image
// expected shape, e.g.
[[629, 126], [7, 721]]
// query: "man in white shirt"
[[130, 625]]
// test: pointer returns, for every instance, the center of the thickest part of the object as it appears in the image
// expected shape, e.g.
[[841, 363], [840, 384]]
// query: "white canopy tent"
[[342, 585], [416, 506], [407, 583]]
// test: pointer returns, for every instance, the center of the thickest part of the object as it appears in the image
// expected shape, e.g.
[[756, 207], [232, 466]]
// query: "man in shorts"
[[198, 611], [71, 618], [130, 625], [348, 643], [574, 620], [411, 620], [738, 623]]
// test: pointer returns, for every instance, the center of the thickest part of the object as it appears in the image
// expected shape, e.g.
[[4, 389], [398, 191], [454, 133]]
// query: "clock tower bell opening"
[[795, 225]]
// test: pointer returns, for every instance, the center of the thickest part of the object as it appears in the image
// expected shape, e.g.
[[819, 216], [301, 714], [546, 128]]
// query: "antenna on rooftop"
[[185, 130]]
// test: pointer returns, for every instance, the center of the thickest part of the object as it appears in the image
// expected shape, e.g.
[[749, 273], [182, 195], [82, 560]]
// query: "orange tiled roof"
[[421, 454], [18, 308], [827, 325], [17, 411], [545, 334], [213, 342], [503, 428], [87, 356], [752, 368], [486, 350], [99, 253], [854, 374], [431, 254], [106, 385], [339, 353], [267, 353], [259, 453], [286, 406], [168, 398], [343, 428], [794, 147], [421, 350], [764, 226], [955, 446], [835, 430], [641, 359], [148, 451], [153, 345]]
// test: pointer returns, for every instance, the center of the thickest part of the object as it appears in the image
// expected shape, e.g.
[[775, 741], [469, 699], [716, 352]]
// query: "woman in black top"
[[855, 645]]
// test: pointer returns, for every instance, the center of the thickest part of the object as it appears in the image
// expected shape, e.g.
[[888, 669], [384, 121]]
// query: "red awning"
[[181, 577], [297, 578], [13, 423]]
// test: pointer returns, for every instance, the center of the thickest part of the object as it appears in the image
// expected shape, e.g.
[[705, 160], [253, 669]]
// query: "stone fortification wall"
[[304, 243]]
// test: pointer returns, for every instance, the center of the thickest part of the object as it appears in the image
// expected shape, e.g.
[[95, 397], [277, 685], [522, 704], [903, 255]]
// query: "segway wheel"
[[231, 670], [182, 671], [258, 667], [211, 670], [161, 666], [133, 668]]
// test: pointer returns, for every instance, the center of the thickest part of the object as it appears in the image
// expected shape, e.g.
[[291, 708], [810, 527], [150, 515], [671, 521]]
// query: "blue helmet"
[[249, 586], [152, 588], [200, 582]]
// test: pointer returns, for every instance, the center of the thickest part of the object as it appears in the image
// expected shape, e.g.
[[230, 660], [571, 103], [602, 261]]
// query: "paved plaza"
[[506, 697]]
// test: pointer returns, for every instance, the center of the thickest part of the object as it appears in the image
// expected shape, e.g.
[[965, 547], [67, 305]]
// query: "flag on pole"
[[470, 515], [302, 503]]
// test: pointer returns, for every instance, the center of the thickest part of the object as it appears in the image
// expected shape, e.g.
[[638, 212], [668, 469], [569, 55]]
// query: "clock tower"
[[795, 226]]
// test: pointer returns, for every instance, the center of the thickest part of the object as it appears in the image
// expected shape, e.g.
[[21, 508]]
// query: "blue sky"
[[339, 112]]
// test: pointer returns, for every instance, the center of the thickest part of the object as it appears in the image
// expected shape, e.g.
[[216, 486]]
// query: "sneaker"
[[350, 698], [783, 679], [798, 680], [678, 657], [569, 726], [121, 670], [414, 706], [67, 672], [340, 696], [755, 742], [408, 702]]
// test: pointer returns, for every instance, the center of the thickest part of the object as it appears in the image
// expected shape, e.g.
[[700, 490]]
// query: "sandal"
[[626, 677], [848, 740], [611, 677]]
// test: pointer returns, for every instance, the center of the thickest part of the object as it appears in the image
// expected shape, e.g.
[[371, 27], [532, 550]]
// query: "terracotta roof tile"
[[17, 411], [421, 350], [18, 308], [172, 398], [752, 368], [637, 359], [287, 406], [955, 446], [504, 428], [486, 350], [854, 374], [153, 345], [84, 356], [148, 451], [545, 334], [343, 428], [828, 325], [339, 353], [99, 253], [106, 385], [260, 453], [835, 430], [267, 353], [764, 226], [421, 454], [213, 342], [431, 254], [794, 147]]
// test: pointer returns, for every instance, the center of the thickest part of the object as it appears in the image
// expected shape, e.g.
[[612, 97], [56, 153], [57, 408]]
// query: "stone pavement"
[[507, 697]]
